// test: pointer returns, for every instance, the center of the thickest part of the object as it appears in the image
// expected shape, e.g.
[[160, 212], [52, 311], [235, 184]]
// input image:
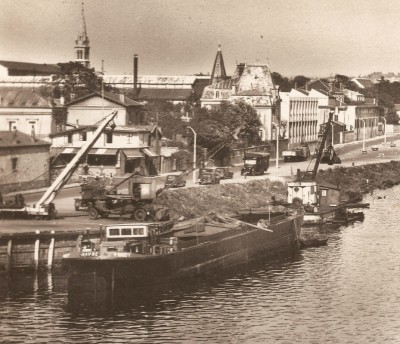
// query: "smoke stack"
[[122, 97], [135, 73]]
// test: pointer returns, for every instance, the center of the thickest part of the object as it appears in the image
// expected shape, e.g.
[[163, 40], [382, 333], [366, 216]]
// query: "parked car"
[[209, 176], [224, 172], [392, 144], [175, 180], [374, 148]]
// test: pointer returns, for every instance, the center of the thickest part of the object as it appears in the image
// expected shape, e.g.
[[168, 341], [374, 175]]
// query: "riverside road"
[[68, 220]]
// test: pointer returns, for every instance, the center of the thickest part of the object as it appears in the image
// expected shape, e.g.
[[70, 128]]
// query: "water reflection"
[[345, 292]]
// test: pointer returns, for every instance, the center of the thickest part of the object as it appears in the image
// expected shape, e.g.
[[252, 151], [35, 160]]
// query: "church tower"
[[82, 46], [218, 73]]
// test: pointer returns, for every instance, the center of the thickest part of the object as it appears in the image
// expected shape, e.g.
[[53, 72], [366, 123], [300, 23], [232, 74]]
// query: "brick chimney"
[[135, 74]]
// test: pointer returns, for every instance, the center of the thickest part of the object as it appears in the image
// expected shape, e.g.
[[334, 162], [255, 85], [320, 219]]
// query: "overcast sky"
[[177, 37]]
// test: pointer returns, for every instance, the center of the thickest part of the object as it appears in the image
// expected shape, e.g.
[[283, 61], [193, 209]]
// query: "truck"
[[300, 153], [137, 202], [255, 163]]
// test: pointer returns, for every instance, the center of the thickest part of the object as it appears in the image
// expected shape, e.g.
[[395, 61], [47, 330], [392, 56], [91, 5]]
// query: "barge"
[[134, 254]]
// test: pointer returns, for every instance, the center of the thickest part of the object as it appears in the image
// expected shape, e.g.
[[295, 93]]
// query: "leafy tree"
[[78, 80], [392, 117], [283, 82], [300, 81]]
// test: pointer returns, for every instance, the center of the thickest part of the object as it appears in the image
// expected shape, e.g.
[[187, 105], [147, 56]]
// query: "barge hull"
[[210, 255]]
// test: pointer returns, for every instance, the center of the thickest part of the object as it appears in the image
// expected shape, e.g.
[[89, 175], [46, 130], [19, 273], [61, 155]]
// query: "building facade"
[[117, 152], [27, 111], [299, 118], [24, 161], [92, 108]]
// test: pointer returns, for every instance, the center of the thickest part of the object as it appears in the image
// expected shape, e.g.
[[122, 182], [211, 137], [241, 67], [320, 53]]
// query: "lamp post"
[[194, 154], [332, 132], [363, 150], [384, 138], [277, 144]]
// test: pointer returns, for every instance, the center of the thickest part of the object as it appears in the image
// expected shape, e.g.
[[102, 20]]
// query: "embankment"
[[226, 198]]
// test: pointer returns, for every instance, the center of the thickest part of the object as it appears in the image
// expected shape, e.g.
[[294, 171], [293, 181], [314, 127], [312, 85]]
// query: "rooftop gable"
[[27, 68], [112, 97], [23, 98], [18, 139]]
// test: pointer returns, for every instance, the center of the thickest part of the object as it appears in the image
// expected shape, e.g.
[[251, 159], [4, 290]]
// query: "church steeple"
[[82, 47], [218, 73]]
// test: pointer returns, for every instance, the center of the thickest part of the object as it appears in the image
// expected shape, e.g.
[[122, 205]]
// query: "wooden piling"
[[50, 252], [9, 255], [36, 250]]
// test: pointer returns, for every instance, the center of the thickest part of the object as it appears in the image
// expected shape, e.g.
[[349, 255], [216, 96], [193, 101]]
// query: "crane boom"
[[40, 207], [311, 173]]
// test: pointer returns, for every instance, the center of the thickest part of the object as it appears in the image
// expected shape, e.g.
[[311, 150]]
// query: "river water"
[[346, 292]]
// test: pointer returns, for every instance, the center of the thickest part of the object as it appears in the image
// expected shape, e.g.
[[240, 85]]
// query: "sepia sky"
[[308, 37]]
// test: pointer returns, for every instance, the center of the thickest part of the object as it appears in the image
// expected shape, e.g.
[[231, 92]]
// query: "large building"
[[28, 111], [24, 161], [251, 83]]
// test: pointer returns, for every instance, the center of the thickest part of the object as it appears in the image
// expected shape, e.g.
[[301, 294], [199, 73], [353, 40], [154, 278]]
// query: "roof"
[[164, 94], [23, 98], [153, 79], [321, 86], [16, 68], [365, 83], [118, 128], [19, 139], [113, 97]]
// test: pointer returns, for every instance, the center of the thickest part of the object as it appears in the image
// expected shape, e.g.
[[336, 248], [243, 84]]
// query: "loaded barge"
[[139, 253]]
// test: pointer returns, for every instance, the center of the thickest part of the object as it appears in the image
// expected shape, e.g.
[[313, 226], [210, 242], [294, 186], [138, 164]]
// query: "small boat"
[[139, 253]]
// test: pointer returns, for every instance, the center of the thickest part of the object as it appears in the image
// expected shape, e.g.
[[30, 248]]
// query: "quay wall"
[[45, 249], [38, 250]]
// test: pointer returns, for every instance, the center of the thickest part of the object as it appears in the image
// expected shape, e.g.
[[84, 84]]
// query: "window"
[[114, 231], [79, 56], [69, 138], [130, 138], [12, 125], [82, 136], [109, 137], [217, 94], [323, 193], [126, 231], [14, 162]]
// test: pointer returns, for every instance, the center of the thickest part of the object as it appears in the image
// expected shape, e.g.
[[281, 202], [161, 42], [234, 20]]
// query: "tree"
[[299, 81], [77, 80], [240, 115], [283, 82]]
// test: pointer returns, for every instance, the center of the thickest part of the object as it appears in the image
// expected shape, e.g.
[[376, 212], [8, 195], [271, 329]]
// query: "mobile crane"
[[44, 208], [305, 189]]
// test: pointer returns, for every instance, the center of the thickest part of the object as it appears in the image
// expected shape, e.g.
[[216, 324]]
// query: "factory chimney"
[[135, 74]]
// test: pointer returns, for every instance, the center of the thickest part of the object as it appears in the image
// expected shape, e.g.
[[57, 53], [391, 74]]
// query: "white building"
[[116, 152]]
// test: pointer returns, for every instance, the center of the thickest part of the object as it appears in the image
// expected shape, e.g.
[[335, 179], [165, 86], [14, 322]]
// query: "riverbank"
[[353, 181]]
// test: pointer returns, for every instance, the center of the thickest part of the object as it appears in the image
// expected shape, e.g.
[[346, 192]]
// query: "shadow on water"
[[155, 296]]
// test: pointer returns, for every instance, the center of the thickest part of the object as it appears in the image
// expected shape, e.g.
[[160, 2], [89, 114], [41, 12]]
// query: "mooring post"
[[36, 251], [9, 255], [50, 252]]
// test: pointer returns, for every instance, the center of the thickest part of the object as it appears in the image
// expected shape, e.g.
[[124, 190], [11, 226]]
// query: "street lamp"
[[194, 154], [332, 132], [363, 150], [384, 140], [277, 144]]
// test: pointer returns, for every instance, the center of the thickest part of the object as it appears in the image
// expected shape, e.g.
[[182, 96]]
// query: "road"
[[351, 155]]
